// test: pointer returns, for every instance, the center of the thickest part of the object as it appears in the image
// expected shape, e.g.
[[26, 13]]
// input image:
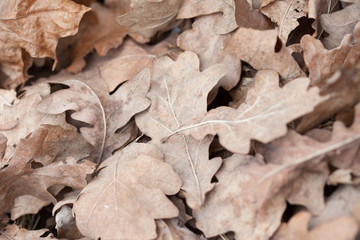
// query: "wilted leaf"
[[14, 232], [31, 28], [264, 50], [249, 17], [225, 22], [127, 195], [92, 104], [148, 17], [178, 92], [263, 116]]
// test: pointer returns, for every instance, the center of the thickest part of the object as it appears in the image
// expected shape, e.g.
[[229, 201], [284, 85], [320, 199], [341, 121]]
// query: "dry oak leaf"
[[19, 178], [178, 92], [20, 118], [14, 232], [224, 23], [128, 194], [88, 97], [241, 203], [209, 46], [342, 228], [31, 28], [264, 50], [338, 24], [315, 9], [263, 115], [285, 14], [321, 62], [171, 229], [98, 30], [149, 16]]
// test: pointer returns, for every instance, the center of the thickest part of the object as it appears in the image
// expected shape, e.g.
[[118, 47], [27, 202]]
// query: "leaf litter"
[[179, 119]]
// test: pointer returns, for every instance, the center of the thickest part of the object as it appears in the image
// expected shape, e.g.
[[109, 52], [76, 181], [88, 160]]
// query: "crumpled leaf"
[[225, 22], [264, 50], [16, 233], [31, 28], [342, 228], [263, 115], [339, 23], [148, 17], [98, 31], [127, 195], [92, 104], [285, 14], [178, 92], [241, 203], [65, 224], [19, 178], [209, 46]]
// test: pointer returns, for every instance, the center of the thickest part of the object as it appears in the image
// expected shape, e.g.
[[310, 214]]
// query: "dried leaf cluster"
[[180, 119]]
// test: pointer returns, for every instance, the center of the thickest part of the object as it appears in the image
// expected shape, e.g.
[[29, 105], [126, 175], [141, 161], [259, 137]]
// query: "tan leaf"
[[338, 24], [240, 203], [316, 8], [148, 17], [16, 233], [322, 62], [31, 28], [65, 224], [264, 50], [285, 14], [27, 204], [127, 195], [225, 22], [98, 30], [342, 228], [263, 116], [209, 46], [19, 178], [89, 98], [249, 17], [170, 229], [179, 92]]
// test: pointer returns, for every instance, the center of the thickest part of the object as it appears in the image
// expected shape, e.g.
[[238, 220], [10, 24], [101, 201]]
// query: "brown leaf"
[[148, 17], [264, 50], [263, 116], [240, 203], [127, 195], [31, 28], [98, 31], [285, 14], [225, 22], [19, 178], [89, 98], [249, 17], [65, 224], [209, 46], [178, 92], [338, 24], [14, 232], [170, 229], [342, 228]]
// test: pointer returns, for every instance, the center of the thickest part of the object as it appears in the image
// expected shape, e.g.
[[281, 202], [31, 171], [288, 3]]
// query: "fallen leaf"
[[169, 229], [92, 104], [263, 116], [264, 50], [15, 232], [178, 92], [19, 178], [285, 14], [148, 17], [342, 228], [127, 195], [65, 224], [338, 24], [225, 22], [31, 28], [210, 49]]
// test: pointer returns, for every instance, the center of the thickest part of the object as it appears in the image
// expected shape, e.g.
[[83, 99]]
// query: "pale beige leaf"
[[127, 195], [148, 17], [170, 229], [14, 232], [89, 98], [264, 50], [179, 92], [263, 115], [225, 22], [285, 14], [31, 28], [210, 46]]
